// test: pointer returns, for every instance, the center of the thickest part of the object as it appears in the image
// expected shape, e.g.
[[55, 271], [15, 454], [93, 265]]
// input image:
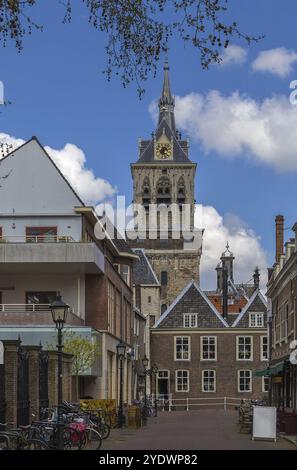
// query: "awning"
[[274, 370]]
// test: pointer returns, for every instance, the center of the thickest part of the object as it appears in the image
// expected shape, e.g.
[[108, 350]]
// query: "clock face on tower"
[[163, 150]]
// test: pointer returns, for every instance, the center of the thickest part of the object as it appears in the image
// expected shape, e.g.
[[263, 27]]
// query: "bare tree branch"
[[138, 31]]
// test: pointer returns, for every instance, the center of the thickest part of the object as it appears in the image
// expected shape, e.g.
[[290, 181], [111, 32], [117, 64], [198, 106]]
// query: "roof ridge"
[[247, 306], [173, 304], [210, 304]]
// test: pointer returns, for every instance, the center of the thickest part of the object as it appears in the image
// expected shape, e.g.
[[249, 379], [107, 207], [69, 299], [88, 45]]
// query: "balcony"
[[32, 314], [49, 253], [37, 239]]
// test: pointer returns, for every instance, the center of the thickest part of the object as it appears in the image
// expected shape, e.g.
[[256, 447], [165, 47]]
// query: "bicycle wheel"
[[74, 439], [36, 444], [94, 440], [104, 430], [5, 443]]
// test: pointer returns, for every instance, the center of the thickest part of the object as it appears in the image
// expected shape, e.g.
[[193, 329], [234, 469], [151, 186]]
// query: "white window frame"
[[256, 316], [238, 381], [263, 384], [189, 345], [237, 348], [201, 348], [190, 316], [167, 377], [188, 380], [214, 381], [262, 348]]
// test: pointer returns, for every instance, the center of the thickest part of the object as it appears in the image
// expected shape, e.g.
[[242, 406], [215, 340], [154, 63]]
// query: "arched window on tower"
[[146, 194], [163, 308], [163, 191], [181, 198]]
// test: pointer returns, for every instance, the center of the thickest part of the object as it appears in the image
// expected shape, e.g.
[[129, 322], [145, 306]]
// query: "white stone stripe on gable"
[[181, 295], [210, 304], [174, 303], [250, 302]]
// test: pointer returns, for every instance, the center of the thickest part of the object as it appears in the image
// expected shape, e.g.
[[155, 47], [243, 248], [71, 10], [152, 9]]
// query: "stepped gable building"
[[203, 351], [164, 176]]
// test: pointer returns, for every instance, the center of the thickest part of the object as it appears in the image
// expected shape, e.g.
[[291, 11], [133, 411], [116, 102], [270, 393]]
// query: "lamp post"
[[59, 313], [121, 350], [155, 372], [145, 362]]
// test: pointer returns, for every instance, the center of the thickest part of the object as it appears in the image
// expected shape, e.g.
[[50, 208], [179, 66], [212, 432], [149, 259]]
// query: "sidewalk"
[[194, 430], [292, 439]]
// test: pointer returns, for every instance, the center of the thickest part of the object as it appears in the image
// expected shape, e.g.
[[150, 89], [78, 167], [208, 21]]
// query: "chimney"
[[225, 291], [279, 237], [256, 277], [219, 271]]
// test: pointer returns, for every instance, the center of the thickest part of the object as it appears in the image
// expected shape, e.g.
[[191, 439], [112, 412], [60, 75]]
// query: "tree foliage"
[[137, 32], [84, 352]]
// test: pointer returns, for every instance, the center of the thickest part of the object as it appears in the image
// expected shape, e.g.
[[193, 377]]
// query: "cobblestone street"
[[195, 430]]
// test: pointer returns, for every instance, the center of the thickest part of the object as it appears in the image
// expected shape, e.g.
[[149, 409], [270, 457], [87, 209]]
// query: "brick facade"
[[282, 295], [226, 365], [228, 357], [11, 370]]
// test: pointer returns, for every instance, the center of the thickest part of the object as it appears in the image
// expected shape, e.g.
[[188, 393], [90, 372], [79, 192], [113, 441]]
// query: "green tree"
[[84, 352], [137, 31]]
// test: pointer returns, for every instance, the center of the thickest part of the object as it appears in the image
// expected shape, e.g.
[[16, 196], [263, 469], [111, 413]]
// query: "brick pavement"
[[194, 430]]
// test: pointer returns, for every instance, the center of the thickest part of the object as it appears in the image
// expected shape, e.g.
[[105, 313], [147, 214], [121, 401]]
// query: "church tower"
[[163, 178]]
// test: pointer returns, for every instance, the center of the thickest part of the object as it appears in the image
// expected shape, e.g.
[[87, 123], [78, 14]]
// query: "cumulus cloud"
[[244, 243], [233, 54], [277, 61], [71, 160], [237, 125]]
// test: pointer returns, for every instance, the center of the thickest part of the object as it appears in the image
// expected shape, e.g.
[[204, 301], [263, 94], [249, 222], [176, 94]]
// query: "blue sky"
[[59, 94]]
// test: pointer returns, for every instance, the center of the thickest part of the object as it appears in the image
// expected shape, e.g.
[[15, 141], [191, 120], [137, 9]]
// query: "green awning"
[[275, 370]]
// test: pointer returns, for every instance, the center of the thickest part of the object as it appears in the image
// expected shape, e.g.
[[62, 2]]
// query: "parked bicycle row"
[[81, 429]]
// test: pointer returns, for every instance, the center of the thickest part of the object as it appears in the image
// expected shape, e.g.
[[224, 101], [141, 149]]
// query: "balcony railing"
[[38, 239], [33, 314], [24, 308]]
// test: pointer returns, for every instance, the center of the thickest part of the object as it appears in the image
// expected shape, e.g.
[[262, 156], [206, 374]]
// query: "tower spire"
[[166, 101]]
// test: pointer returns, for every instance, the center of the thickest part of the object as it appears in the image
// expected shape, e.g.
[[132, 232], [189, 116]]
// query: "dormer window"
[[190, 320], [256, 320]]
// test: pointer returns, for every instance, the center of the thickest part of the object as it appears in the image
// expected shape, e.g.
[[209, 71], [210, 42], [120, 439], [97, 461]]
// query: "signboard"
[[264, 422]]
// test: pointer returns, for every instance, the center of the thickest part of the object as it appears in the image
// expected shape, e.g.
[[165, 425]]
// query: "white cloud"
[[244, 244], [277, 61], [237, 125], [71, 160], [233, 54]]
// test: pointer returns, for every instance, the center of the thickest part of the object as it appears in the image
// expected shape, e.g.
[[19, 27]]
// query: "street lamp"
[[59, 313], [155, 371], [145, 362], [121, 350]]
